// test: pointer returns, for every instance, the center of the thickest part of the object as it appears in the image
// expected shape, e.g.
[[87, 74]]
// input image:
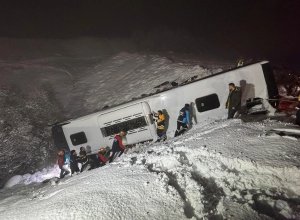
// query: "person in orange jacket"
[[160, 119]]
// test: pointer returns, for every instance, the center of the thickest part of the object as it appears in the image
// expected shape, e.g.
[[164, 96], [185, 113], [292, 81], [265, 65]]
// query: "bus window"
[[207, 103], [126, 125], [78, 138]]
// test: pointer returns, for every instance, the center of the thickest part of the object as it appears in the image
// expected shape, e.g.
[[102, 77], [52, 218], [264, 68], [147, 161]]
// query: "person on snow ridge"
[[118, 145], [183, 120], [83, 159], [233, 103], [298, 112], [160, 119], [74, 162], [101, 156], [61, 164]]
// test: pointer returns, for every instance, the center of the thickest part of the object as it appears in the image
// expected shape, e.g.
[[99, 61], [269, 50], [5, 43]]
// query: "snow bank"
[[37, 177], [224, 169], [72, 79]]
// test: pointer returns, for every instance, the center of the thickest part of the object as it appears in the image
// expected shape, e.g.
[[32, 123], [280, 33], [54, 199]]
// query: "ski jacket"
[[61, 161], [234, 99], [118, 144], [184, 116], [186, 119], [102, 158], [160, 120], [82, 157], [74, 158], [67, 158]]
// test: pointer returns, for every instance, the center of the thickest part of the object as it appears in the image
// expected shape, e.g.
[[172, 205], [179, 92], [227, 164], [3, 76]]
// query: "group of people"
[[183, 122], [78, 163], [70, 163], [233, 103]]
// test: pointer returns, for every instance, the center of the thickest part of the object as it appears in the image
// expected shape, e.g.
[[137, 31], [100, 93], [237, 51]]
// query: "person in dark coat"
[[183, 120], [118, 146], [233, 103], [61, 162], [83, 159], [74, 162], [92, 158]]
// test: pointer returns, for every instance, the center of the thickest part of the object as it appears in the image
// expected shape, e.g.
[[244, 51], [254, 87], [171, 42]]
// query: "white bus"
[[206, 96]]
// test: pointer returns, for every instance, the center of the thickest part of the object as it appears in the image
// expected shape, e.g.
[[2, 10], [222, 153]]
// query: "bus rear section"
[[136, 119]]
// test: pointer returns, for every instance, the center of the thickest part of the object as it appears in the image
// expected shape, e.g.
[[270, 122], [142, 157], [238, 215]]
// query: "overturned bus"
[[206, 96]]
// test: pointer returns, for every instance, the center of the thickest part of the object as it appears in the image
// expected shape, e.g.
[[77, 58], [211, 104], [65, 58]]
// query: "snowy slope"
[[219, 169], [126, 76], [43, 82]]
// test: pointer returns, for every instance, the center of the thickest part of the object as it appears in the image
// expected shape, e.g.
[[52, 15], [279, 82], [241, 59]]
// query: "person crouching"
[[102, 156]]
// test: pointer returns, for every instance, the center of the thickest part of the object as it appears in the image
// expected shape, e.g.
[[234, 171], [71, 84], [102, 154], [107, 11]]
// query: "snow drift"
[[223, 169], [45, 81]]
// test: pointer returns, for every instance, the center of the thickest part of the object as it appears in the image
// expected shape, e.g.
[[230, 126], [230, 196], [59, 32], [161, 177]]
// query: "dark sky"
[[262, 27]]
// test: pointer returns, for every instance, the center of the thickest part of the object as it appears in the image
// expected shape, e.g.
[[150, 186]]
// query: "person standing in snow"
[[160, 119], [83, 159], [74, 162], [61, 164], [233, 103], [92, 158], [183, 120], [118, 145]]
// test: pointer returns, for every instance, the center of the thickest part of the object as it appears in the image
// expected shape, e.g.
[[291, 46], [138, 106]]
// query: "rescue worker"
[[183, 120], [118, 146], [160, 119], [233, 103], [61, 164]]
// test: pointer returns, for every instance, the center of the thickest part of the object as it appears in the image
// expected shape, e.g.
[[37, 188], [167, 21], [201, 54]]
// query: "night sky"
[[255, 28]]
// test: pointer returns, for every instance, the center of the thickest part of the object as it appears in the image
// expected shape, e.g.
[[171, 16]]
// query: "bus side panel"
[[91, 130], [250, 79]]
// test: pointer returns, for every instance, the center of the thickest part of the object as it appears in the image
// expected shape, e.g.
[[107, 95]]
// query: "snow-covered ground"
[[223, 169]]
